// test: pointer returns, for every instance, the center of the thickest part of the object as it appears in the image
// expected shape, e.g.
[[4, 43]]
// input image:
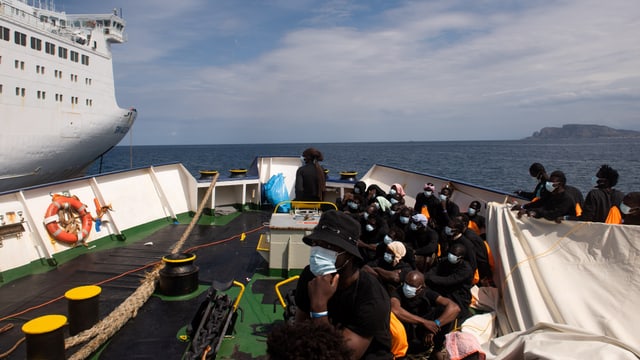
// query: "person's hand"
[[429, 339], [532, 213], [321, 289], [521, 212], [361, 243], [431, 326], [516, 207]]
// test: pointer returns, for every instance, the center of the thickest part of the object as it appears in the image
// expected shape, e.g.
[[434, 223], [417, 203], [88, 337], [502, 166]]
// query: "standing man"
[[310, 177], [603, 197], [333, 289]]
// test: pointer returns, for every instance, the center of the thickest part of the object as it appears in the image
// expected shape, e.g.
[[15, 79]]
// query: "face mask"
[[549, 186], [322, 261], [448, 231], [365, 215], [452, 258], [594, 181], [472, 211], [409, 291], [414, 226], [443, 197], [387, 239], [404, 219], [625, 209], [369, 227], [352, 205], [393, 201], [302, 159], [356, 191], [391, 212], [392, 192], [388, 257], [428, 193]]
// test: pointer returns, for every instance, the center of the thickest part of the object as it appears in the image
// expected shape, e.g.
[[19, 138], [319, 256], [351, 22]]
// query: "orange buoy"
[[65, 229]]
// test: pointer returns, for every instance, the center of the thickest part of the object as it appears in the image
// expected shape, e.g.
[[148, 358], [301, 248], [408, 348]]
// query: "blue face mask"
[[404, 219], [356, 191], [369, 227], [443, 197], [352, 205], [428, 193], [549, 186], [625, 209], [387, 239], [391, 212], [414, 226], [453, 258], [388, 258], [409, 291], [322, 261], [472, 211], [392, 191], [393, 201], [448, 231]]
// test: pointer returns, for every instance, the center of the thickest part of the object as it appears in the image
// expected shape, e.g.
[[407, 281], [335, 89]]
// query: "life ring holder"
[[73, 206]]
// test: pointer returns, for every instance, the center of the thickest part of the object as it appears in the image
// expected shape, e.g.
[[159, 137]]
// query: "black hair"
[[536, 169], [458, 223], [560, 175], [609, 173], [475, 204], [456, 245], [306, 340]]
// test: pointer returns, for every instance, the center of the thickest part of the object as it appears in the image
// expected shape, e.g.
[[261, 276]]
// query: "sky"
[[305, 71]]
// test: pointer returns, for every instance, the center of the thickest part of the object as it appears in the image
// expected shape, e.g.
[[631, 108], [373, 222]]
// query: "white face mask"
[[452, 258], [409, 291], [625, 209], [391, 212], [365, 215], [549, 186], [414, 226], [443, 197], [392, 192], [448, 231], [388, 258], [472, 211], [352, 205], [322, 261], [356, 191], [428, 193], [302, 159], [387, 240], [404, 219], [369, 227], [393, 201]]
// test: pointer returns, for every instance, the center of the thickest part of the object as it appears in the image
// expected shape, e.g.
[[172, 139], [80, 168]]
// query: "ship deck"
[[154, 333]]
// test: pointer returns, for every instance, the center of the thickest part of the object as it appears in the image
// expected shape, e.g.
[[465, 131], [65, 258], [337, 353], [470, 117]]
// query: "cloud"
[[358, 71]]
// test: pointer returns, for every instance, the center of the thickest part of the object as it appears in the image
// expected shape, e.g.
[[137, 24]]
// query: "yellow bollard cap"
[[44, 324], [83, 292]]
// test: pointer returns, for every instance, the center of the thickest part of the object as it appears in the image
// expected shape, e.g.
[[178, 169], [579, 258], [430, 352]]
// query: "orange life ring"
[[52, 219]]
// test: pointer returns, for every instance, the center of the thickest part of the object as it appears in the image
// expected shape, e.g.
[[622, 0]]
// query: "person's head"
[[446, 192], [359, 188], [455, 226], [630, 204], [405, 215], [429, 189], [536, 170], [419, 222], [607, 177], [373, 223], [395, 252], [396, 199], [371, 210], [395, 208], [414, 284], [474, 208], [334, 243], [397, 189], [394, 234], [354, 203], [457, 251], [556, 182], [312, 155], [306, 340]]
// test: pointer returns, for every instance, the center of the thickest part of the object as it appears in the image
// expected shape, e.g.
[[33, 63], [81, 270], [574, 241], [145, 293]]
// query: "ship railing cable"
[[107, 327]]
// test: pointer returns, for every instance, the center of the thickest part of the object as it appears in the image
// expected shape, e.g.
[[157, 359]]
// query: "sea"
[[500, 165]]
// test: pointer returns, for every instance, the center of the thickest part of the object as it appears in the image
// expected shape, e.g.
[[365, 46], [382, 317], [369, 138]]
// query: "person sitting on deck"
[[351, 203], [420, 235], [391, 269], [456, 233], [603, 200], [483, 255], [630, 208], [451, 277], [401, 219], [373, 233], [477, 222], [555, 206], [426, 201], [447, 208], [537, 171], [426, 315], [372, 193], [334, 290], [396, 189]]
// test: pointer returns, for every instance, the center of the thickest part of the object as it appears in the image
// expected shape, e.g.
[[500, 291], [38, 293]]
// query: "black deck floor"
[[145, 336]]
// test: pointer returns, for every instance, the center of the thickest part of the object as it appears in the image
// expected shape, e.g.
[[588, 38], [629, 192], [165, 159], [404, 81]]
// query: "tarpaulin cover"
[[569, 290]]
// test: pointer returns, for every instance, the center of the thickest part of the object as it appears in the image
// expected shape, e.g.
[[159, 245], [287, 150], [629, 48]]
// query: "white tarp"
[[569, 290]]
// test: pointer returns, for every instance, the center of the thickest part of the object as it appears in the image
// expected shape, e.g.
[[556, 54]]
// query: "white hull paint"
[[57, 98]]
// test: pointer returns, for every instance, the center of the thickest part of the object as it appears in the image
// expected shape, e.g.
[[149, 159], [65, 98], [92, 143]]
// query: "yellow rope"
[[107, 327]]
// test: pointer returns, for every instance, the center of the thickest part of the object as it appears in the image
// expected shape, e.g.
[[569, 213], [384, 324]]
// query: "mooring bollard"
[[83, 304], [45, 337]]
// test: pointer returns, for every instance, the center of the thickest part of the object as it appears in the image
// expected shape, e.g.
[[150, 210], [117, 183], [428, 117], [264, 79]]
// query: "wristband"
[[437, 322], [315, 315]]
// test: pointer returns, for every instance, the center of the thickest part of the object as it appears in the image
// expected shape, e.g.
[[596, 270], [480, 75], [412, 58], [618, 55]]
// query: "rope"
[[107, 327]]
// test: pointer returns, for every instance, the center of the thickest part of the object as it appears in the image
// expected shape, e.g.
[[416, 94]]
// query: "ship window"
[[74, 56], [50, 48], [19, 64], [36, 44], [62, 52], [85, 60], [0, 88], [20, 91], [20, 38], [4, 33]]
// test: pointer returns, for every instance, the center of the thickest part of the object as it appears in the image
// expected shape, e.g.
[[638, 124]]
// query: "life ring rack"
[[72, 205]]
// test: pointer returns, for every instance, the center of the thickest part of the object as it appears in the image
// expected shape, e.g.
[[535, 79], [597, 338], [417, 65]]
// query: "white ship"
[[58, 111]]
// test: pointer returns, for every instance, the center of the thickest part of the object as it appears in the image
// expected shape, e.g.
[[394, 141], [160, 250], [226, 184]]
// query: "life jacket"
[[614, 216], [399, 343], [424, 211], [474, 226]]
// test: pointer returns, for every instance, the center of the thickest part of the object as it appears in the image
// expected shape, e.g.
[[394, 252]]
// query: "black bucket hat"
[[338, 229]]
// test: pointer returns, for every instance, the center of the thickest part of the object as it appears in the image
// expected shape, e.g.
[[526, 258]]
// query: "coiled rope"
[[107, 327]]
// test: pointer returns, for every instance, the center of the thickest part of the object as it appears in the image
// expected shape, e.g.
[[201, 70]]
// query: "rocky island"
[[580, 131]]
